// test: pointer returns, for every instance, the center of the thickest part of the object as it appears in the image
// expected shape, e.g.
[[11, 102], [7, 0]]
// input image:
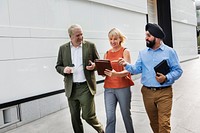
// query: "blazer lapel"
[[85, 53], [68, 54]]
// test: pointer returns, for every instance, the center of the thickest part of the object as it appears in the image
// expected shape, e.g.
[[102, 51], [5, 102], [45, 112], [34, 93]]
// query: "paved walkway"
[[185, 114]]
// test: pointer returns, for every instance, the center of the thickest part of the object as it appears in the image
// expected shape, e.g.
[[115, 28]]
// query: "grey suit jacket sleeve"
[[64, 58], [59, 65]]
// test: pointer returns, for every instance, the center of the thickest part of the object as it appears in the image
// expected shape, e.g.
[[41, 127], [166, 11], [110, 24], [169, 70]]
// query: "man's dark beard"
[[150, 44]]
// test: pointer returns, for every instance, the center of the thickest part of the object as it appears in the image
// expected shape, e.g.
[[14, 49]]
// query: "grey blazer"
[[64, 59]]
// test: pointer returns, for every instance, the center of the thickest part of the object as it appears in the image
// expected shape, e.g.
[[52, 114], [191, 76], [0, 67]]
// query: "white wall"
[[184, 24], [31, 32]]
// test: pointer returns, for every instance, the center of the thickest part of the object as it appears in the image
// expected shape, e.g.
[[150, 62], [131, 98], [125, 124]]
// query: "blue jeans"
[[111, 98]]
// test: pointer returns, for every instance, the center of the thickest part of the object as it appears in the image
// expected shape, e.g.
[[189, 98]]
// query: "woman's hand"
[[109, 72]]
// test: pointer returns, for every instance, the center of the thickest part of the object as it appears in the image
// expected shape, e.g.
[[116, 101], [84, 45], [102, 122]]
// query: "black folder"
[[162, 67], [101, 65]]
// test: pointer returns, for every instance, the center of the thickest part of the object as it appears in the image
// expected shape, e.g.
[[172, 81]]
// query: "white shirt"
[[77, 60]]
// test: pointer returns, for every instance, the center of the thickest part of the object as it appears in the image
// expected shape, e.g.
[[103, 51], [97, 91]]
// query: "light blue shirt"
[[149, 58]]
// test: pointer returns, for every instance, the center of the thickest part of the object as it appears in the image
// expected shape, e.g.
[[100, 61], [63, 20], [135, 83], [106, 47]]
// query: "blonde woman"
[[117, 83]]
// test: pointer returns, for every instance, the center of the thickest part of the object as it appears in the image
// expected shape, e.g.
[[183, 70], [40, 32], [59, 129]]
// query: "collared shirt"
[[149, 58], [77, 60]]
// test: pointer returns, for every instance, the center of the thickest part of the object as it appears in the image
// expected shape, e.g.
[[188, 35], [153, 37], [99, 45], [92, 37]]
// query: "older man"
[[75, 63]]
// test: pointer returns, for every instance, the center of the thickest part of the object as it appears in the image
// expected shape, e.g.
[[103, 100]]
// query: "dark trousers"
[[81, 98], [158, 104]]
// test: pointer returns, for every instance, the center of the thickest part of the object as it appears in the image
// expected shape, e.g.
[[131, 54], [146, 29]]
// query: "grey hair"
[[72, 27]]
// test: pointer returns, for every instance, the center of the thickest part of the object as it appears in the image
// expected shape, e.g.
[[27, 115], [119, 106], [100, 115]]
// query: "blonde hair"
[[72, 27], [117, 32]]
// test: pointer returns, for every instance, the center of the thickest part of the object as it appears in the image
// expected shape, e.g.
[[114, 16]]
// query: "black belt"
[[79, 83], [157, 88]]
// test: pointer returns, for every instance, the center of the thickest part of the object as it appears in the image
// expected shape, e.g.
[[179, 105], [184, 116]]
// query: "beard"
[[150, 44]]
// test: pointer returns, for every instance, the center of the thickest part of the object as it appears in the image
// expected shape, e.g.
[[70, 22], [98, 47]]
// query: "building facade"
[[31, 32]]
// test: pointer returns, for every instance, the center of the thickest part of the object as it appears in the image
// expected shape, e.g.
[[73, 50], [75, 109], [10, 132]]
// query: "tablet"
[[162, 67], [101, 65]]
